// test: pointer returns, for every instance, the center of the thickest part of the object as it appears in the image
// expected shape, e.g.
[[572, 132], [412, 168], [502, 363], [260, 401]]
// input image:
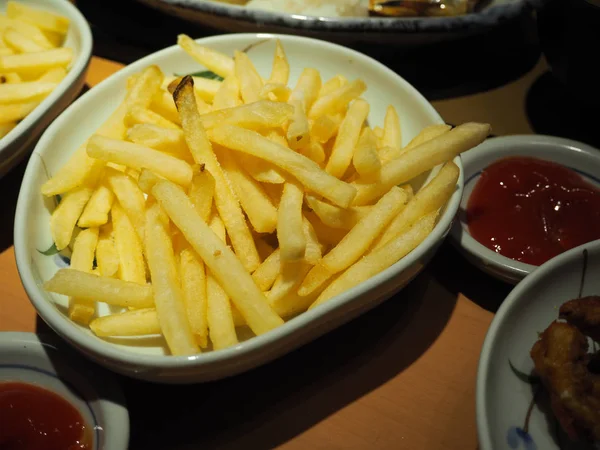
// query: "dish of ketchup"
[[33, 418], [531, 210]]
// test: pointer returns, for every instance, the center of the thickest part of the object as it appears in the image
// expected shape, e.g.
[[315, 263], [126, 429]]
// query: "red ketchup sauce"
[[531, 210], [33, 418]]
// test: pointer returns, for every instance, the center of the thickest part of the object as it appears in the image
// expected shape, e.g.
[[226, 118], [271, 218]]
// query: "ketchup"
[[33, 418], [531, 210]]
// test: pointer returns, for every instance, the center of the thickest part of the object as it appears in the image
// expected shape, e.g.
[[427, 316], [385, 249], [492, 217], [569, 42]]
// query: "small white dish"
[[503, 398], [45, 362], [147, 359], [20, 140], [580, 157]]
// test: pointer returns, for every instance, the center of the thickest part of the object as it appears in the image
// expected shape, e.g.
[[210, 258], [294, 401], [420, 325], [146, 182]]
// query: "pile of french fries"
[[201, 206], [32, 61]]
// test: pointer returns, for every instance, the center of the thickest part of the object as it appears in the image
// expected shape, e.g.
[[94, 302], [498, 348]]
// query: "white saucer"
[[43, 361], [583, 158]]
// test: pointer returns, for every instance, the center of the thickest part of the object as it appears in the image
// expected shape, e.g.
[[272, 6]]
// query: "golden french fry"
[[421, 159], [325, 127], [26, 29], [129, 247], [107, 256], [332, 84], [275, 92], [82, 258], [281, 69], [6, 51], [334, 216], [428, 133], [366, 158], [66, 214], [298, 132], [218, 257], [303, 169], [5, 128], [163, 104], [139, 115], [97, 208], [314, 151], [392, 133], [290, 232], [337, 99], [193, 284], [92, 288], [130, 196], [292, 274], [293, 304], [347, 138], [250, 81], [10, 77], [20, 42], [147, 180], [254, 200], [326, 234], [16, 111], [307, 88], [24, 92], [168, 140], [264, 276], [228, 95], [55, 38], [42, 19], [227, 205], [215, 61], [313, 251], [54, 75], [139, 157], [205, 89], [220, 316], [168, 296], [260, 169], [31, 64], [380, 259], [430, 198], [138, 322], [258, 115], [202, 192]]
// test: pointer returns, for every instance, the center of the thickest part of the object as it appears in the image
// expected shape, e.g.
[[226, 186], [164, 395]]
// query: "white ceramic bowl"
[[502, 397], [583, 158], [146, 360], [45, 362], [20, 140]]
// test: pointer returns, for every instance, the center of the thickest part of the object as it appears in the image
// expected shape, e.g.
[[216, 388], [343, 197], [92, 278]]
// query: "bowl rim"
[[470, 246], [80, 64], [483, 19], [512, 301], [93, 345]]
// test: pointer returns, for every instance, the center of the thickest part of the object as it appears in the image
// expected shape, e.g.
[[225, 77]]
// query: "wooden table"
[[400, 377]]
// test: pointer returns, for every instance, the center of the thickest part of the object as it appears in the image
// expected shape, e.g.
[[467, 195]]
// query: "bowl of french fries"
[[229, 199], [45, 49]]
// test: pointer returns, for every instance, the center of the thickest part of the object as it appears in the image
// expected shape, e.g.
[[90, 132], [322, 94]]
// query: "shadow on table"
[[274, 403]]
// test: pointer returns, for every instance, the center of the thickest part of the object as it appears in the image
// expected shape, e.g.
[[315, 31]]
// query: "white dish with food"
[[146, 357], [32, 365], [582, 158], [19, 140], [508, 416]]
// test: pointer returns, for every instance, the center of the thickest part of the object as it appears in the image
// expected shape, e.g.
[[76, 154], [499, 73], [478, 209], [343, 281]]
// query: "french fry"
[[326, 234], [54, 75], [147, 180], [20, 42], [303, 169], [10, 77], [31, 64], [228, 95], [421, 159], [313, 252], [5, 128], [428, 133], [205, 89], [66, 214], [250, 81], [82, 258], [163, 104], [17, 111], [107, 256], [129, 247], [336, 217], [219, 258], [290, 232], [325, 127], [275, 92], [139, 157], [97, 208], [130, 196], [380, 259], [264, 276], [166, 140], [392, 133], [193, 284], [140, 115], [298, 132], [428, 199], [43, 19], [138, 322], [6, 51], [260, 169], [332, 84], [356, 242], [307, 88], [168, 296], [347, 138], [92, 288], [293, 304], [292, 274], [215, 61], [366, 158], [258, 115], [314, 151], [227, 205], [280, 72], [202, 192], [56, 39], [26, 29], [255, 202], [337, 99], [26, 91], [263, 247]]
